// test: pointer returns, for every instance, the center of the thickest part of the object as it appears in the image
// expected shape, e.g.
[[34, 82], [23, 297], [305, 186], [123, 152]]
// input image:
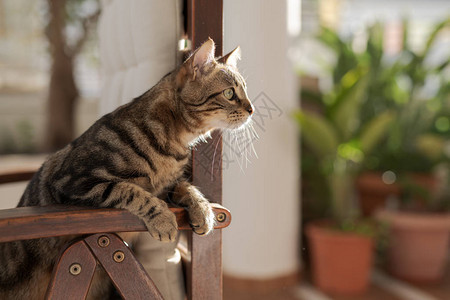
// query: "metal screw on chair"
[[103, 241], [221, 217], [75, 269], [118, 256]]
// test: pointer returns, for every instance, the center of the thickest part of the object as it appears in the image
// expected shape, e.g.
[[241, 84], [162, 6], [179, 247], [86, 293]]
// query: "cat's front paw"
[[202, 218], [162, 225]]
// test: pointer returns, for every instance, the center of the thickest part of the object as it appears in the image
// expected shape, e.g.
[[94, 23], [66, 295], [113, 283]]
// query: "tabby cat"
[[130, 156]]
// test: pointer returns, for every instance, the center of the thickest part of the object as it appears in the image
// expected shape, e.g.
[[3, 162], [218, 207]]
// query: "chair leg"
[[73, 273], [126, 273]]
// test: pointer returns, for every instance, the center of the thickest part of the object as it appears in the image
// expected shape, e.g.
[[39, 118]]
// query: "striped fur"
[[129, 157]]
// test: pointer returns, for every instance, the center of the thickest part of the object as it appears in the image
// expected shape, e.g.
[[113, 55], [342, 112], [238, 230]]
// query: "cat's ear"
[[204, 55], [201, 58], [193, 67], [231, 58]]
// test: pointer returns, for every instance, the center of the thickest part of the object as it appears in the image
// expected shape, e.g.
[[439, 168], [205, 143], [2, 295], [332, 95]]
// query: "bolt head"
[[75, 269], [118, 256], [221, 217], [103, 241]]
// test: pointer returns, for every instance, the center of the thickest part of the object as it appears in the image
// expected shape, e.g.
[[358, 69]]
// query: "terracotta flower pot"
[[373, 192], [418, 246], [341, 262]]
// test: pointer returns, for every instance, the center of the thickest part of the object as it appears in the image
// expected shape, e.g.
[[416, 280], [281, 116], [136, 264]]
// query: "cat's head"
[[213, 91]]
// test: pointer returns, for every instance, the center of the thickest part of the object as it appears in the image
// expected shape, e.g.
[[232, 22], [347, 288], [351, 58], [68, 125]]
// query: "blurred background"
[[346, 195]]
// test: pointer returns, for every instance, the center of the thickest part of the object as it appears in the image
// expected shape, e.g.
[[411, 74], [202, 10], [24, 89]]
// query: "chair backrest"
[[204, 277]]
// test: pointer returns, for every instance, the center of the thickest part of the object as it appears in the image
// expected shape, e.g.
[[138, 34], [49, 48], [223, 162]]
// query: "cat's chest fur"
[[169, 170]]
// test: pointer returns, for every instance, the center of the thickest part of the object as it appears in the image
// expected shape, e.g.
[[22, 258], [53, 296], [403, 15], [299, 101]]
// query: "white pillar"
[[263, 239]]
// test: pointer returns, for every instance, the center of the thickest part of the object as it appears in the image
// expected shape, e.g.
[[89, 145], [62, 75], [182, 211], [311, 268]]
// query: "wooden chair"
[[202, 256], [73, 273]]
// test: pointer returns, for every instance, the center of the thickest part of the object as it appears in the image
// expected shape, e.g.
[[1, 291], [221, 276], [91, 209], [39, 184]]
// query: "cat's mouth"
[[240, 124], [238, 119], [233, 120]]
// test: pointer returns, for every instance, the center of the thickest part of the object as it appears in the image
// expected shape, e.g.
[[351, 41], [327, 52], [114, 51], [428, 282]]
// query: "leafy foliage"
[[380, 113]]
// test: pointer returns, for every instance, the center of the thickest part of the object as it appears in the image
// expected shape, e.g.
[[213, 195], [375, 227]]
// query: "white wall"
[[263, 239]]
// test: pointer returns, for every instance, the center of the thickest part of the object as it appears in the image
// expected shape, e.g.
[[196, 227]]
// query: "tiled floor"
[[286, 294], [383, 287], [440, 291]]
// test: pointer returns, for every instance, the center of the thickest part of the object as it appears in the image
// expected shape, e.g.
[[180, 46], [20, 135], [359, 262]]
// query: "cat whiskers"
[[240, 144], [241, 141]]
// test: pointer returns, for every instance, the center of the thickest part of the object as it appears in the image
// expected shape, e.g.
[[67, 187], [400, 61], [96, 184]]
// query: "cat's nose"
[[250, 109]]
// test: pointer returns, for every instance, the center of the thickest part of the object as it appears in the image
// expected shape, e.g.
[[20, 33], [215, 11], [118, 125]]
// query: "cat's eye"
[[228, 93]]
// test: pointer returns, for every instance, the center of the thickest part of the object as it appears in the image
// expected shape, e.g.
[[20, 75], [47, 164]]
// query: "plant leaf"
[[346, 58], [345, 111], [405, 34], [375, 130], [317, 133], [432, 36], [431, 145], [375, 45]]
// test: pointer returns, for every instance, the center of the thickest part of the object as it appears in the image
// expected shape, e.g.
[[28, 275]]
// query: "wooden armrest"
[[38, 222], [16, 175]]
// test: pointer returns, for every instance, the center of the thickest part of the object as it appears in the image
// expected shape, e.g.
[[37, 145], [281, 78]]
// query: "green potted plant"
[[414, 149], [378, 99], [342, 246], [375, 134], [400, 160], [416, 141]]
